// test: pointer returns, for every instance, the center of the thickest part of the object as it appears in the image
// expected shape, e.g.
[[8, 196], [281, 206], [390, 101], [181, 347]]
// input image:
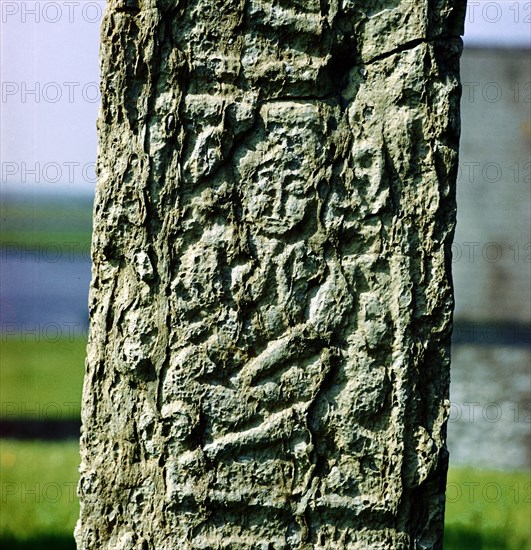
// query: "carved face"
[[278, 198], [279, 173]]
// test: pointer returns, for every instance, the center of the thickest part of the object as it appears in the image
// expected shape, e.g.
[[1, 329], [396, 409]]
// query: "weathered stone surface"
[[268, 361]]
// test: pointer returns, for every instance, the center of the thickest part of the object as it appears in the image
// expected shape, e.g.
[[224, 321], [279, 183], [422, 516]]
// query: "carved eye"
[[170, 124]]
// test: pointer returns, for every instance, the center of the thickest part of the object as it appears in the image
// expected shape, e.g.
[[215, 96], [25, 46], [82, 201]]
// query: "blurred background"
[[50, 96]]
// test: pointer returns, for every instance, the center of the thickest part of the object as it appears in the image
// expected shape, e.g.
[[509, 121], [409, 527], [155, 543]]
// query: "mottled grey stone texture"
[[271, 303]]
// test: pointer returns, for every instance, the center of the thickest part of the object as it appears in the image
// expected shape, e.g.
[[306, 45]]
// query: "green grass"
[[488, 510], [47, 243], [41, 380], [46, 221], [38, 498]]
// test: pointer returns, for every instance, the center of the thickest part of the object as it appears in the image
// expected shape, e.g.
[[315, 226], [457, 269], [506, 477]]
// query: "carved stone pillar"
[[271, 302]]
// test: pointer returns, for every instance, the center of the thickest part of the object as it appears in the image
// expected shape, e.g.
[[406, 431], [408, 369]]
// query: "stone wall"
[[490, 420]]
